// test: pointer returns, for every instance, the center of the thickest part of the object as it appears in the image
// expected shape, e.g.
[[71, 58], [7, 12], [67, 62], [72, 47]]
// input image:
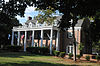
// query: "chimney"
[[29, 18]]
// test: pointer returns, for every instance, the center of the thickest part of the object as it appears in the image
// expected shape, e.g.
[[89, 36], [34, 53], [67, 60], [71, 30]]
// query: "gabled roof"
[[34, 21], [79, 23], [28, 21]]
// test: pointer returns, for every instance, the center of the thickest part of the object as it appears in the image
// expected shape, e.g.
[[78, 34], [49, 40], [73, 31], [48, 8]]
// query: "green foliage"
[[46, 15], [38, 50], [97, 16], [44, 50], [6, 23], [56, 53], [81, 46], [78, 56], [98, 57], [14, 48], [70, 55], [62, 54], [87, 58], [71, 9], [96, 45]]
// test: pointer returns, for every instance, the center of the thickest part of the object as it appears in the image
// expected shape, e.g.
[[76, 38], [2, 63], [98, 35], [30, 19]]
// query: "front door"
[[69, 49]]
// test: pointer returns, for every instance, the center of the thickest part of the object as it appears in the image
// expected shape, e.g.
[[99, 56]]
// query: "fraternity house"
[[34, 34]]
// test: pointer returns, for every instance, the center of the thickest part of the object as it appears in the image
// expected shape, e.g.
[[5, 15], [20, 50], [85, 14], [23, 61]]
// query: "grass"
[[26, 59]]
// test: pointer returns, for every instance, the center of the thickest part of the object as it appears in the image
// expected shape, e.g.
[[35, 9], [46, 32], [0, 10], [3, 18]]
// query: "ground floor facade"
[[50, 37], [36, 37]]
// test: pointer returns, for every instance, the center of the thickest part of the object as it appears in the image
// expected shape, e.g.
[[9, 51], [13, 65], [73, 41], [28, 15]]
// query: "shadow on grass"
[[33, 63], [17, 54]]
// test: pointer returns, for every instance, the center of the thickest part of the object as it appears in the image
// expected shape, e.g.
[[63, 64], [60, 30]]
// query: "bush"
[[78, 56], [44, 50], [56, 53], [70, 55], [87, 58], [14, 48], [38, 50], [62, 54], [30, 49], [98, 57]]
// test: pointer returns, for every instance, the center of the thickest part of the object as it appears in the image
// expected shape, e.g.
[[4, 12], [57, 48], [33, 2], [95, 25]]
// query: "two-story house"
[[35, 34]]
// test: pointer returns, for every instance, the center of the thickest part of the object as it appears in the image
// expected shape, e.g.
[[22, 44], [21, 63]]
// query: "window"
[[35, 44], [69, 49], [70, 35], [43, 45], [30, 24]]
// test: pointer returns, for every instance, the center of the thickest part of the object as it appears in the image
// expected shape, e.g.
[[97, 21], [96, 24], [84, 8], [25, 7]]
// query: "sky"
[[30, 11]]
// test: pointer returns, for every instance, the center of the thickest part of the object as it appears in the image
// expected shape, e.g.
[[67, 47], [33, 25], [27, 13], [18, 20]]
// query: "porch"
[[36, 36]]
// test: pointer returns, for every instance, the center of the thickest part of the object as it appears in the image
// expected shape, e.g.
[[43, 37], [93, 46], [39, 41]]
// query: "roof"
[[58, 18], [28, 21], [79, 23]]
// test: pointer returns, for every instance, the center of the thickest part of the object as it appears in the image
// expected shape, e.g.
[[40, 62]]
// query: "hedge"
[[98, 57], [56, 53], [62, 54], [70, 55], [87, 58], [78, 56], [14, 48], [38, 50]]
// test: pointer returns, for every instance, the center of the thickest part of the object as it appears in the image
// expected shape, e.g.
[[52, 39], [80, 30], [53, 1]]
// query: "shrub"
[[87, 58], [38, 50], [44, 50], [56, 53], [62, 54], [14, 48], [70, 55], [30, 49], [78, 56], [98, 57]]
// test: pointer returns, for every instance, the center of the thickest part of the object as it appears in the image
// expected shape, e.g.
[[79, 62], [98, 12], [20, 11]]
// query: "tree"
[[46, 15], [14, 7], [96, 46], [6, 24], [71, 10], [8, 11], [95, 36], [81, 46]]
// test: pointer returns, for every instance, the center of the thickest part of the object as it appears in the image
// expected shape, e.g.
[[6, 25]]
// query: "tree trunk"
[[74, 42]]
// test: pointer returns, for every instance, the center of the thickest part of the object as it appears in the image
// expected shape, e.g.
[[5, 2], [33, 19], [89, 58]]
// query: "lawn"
[[27, 59]]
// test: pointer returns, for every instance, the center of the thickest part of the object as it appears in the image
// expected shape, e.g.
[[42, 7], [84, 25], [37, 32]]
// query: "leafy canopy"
[[71, 8], [46, 15]]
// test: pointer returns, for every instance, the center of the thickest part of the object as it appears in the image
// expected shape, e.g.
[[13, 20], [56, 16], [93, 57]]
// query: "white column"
[[18, 40], [51, 41], [25, 41], [57, 41], [12, 41], [33, 38], [41, 38]]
